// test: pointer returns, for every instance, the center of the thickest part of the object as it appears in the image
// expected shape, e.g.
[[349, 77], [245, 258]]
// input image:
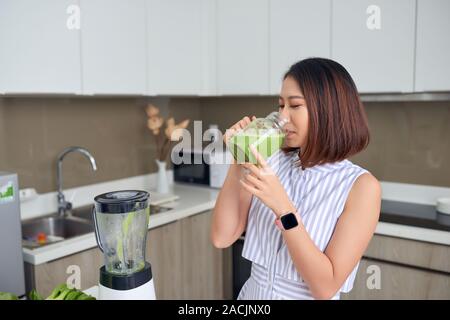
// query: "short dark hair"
[[338, 126]]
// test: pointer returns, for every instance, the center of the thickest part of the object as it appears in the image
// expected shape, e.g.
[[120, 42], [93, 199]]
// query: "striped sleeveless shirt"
[[319, 194]]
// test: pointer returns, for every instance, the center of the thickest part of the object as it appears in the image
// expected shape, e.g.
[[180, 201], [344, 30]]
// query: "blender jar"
[[121, 225], [265, 134]]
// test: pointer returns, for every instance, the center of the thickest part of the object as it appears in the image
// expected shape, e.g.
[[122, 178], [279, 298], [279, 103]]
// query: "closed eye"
[[292, 107]]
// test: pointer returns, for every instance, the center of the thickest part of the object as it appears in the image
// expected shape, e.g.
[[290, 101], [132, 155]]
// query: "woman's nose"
[[285, 113]]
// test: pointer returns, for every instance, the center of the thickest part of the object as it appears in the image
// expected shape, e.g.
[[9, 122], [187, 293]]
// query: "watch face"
[[289, 221]]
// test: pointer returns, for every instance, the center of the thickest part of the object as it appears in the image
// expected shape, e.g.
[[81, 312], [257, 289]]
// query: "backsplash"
[[409, 140], [33, 131]]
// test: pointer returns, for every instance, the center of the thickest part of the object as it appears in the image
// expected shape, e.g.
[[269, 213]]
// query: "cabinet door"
[[176, 33], [39, 52], [203, 265], [379, 60], [243, 47], [410, 252], [164, 255], [399, 282], [433, 46], [113, 46], [45, 277], [298, 29]]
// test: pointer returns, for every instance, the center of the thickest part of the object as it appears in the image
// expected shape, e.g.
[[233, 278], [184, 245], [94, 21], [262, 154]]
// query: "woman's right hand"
[[241, 124]]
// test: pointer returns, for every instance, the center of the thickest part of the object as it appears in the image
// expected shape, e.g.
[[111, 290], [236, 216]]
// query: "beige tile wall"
[[33, 131], [410, 141]]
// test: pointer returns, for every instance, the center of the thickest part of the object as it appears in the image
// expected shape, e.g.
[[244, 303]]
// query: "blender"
[[121, 225]]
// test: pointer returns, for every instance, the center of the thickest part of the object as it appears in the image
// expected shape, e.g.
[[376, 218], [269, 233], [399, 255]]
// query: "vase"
[[162, 181]]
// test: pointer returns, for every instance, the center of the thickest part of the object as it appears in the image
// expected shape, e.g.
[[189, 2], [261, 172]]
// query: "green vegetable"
[[74, 295], [57, 291], [61, 292], [85, 296], [8, 296], [64, 294], [33, 295]]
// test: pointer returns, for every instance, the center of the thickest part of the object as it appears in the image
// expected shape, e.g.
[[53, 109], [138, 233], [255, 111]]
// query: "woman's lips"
[[289, 133]]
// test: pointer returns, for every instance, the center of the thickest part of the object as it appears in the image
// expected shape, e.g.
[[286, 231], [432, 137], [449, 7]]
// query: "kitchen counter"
[[196, 199], [192, 200]]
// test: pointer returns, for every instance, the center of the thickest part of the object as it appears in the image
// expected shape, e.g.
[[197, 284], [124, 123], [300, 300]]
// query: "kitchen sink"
[[46, 230], [82, 213], [43, 231]]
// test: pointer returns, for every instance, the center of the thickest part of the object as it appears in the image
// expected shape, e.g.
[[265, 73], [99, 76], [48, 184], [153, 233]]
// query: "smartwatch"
[[287, 221]]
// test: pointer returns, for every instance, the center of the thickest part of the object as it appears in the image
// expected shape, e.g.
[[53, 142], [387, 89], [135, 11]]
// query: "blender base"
[[136, 286], [143, 292]]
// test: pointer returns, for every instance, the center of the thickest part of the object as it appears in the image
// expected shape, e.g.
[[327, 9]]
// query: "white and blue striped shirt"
[[319, 194]]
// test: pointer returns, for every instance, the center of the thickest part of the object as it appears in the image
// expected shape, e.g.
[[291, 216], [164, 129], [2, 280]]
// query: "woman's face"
[[293, 107]]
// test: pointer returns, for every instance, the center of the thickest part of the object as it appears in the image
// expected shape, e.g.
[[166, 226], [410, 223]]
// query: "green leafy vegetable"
[[61, 292], [8, 296], [34, 295], [57, 291]]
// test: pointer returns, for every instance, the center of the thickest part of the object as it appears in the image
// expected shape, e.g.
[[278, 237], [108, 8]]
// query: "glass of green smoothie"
[[265, 134]]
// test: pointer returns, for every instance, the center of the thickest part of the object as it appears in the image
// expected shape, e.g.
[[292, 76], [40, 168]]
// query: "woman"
[[308, 212]]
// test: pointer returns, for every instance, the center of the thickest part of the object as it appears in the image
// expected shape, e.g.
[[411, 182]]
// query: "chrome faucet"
[[64, 205]]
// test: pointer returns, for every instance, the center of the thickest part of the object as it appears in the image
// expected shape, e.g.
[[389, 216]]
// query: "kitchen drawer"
[[399, 282], [409, 252]]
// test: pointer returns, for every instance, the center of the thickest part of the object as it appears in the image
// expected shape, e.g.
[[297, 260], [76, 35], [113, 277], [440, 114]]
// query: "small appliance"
[[200, 166], [121, 225], [12, 277]]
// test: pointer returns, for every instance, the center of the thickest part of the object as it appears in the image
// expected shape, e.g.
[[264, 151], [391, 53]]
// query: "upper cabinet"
[[298, 29], [218, 47], [113, 48], [39, 47], [242, 47], [433, 46], [374, 40], [177, 33]]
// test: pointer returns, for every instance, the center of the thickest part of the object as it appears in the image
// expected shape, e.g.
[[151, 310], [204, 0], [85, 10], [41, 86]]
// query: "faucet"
[[64, 205]]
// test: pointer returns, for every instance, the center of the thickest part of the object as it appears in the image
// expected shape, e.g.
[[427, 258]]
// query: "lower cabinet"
[[394, 268], [185, 265], [184, 262], [45, 277], [398, 282]]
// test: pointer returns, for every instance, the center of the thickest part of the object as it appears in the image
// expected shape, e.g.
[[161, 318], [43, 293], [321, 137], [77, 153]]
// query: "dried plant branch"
[[155, 123]]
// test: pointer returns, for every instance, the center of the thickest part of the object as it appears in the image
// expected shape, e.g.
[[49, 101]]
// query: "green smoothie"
[[266, 142]]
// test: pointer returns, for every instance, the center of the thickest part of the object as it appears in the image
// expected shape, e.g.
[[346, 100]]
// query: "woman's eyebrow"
[[292, 97]]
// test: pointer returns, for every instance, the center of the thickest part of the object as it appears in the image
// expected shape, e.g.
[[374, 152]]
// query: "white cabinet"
[[113, 47], [243, 46], [379, 60], [298, 29], [38, 52], [433, 46], [178, 37], [218, 47]]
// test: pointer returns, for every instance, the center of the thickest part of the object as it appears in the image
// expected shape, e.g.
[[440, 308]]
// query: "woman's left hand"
[[262, 182]]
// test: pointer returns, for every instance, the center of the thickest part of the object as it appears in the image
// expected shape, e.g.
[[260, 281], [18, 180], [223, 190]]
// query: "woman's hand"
[[241, 124], [262, 182]]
